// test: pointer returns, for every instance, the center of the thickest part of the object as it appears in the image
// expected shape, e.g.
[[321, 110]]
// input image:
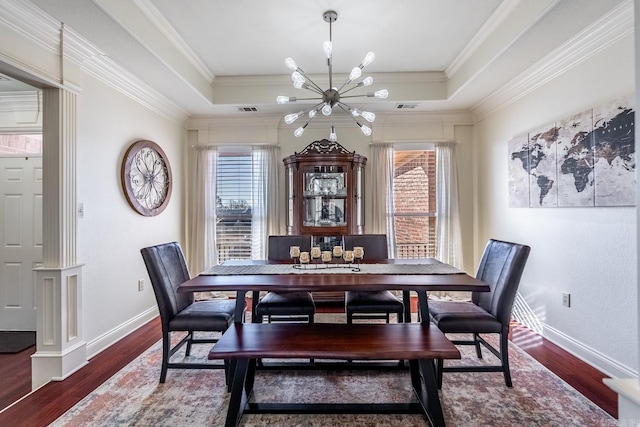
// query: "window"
[[20, 144], [233, 205], [414, 183]]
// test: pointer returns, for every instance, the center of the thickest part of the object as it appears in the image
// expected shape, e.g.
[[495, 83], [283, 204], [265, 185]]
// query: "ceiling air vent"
[[4, 78], [406, 106], [247, 109]]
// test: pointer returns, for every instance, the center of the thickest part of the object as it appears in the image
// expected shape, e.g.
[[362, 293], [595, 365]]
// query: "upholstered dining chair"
[[179, 312], [501, 268], [371, 304], [286, 306]]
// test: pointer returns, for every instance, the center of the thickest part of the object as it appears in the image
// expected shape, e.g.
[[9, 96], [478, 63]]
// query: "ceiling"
[[211, 57]]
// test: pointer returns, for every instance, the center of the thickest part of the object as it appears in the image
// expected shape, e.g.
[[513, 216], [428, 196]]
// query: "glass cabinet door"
[[325, 192]]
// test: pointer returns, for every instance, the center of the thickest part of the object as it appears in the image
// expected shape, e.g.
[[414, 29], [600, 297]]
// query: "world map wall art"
[[588, 159]]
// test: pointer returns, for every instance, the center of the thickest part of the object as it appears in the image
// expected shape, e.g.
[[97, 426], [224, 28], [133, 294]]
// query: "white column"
[[60, 348]]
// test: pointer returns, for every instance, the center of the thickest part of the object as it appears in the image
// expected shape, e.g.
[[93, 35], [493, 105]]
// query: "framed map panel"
[[575, 161], [543, 174], [615, 157], [519, 172]]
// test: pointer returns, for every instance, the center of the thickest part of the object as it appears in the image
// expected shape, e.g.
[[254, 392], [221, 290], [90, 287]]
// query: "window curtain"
[[382, 194], [265, 218], [448, 234], [202, 214]]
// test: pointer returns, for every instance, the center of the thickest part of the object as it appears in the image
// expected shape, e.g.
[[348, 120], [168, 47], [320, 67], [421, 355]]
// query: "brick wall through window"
[[415, 203]]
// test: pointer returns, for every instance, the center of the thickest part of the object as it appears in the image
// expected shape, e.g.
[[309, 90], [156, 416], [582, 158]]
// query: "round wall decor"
[[146, 178]]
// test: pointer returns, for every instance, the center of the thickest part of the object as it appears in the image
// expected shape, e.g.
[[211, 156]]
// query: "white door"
[[20, 240]]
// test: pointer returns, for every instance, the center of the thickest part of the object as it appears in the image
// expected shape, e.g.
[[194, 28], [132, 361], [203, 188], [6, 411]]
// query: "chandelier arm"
[[345, 84], [318, 88], [342, 105], [353, 96], [305, 112], [313, 89], [349, 90], [308, 99]]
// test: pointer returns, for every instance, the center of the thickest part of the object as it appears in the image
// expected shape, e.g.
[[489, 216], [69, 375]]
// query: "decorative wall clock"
[[146, 178]]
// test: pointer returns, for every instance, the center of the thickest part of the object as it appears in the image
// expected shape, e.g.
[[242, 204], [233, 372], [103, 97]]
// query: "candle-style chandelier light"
[[333, 96]]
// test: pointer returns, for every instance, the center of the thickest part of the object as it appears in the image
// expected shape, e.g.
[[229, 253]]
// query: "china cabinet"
[[324, 191]]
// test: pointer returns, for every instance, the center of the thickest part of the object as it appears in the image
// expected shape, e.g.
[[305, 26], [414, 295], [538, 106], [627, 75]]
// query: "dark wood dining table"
[[420, 283], [419, 276]]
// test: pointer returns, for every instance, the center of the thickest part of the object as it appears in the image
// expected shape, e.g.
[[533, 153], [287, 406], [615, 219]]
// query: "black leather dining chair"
[[371, 304], [286, 306], [179, 312], [501, 268]]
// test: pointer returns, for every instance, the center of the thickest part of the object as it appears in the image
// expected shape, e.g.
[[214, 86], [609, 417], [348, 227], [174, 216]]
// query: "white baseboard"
[[587, 354], [116, 334]]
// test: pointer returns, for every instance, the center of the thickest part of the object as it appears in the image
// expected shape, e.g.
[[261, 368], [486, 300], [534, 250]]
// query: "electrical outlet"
[[140, 285], [566, 299]]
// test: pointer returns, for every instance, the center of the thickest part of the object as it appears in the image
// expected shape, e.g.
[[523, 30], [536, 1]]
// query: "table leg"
[[255, 298], [238, 315], [429, 395], [406, 299], [423, 307], [238, 399]]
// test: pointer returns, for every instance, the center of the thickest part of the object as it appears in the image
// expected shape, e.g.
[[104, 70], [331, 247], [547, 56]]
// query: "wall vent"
[[4, 78], [247, 109], [407, 106]]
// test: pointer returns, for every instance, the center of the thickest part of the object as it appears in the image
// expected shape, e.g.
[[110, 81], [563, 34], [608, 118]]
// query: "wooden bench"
[[418, 343]]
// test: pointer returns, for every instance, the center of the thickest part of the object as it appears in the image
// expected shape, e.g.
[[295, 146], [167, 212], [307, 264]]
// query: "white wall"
[[589, 252], [111, 233]]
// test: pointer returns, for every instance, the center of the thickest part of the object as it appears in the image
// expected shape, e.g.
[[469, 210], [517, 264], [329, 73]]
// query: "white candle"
[[348, 256], [315, 252], [358, 252]]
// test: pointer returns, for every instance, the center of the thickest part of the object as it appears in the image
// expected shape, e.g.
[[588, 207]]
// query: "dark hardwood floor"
[[53, 399]]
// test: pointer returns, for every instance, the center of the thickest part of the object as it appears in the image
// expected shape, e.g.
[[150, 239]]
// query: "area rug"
[[133, 396], [16, 341]]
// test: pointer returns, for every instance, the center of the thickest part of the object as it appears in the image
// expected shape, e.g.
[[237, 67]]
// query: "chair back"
[[501, 268], [375, 245], [278, 248], [167, 270]]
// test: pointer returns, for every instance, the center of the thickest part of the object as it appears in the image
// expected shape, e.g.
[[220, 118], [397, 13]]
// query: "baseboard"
[[603, 363], [116, 334]]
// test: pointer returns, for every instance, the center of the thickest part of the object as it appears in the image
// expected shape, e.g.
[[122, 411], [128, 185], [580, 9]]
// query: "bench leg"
[[427, 395], [238, 399]]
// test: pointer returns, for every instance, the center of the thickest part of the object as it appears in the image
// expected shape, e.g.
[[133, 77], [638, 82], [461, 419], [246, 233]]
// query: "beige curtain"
[[448, 214], [382, 194], [202, 252], [266, 201]]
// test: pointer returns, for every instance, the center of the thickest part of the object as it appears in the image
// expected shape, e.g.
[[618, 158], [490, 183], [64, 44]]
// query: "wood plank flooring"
[[52, 400]]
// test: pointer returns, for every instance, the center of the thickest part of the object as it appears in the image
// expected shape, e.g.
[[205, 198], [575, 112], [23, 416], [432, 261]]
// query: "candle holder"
[[294, 252], [358, 254], [337, 252]]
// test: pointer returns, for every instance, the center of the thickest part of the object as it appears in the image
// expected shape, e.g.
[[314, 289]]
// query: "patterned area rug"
[[133, 397]]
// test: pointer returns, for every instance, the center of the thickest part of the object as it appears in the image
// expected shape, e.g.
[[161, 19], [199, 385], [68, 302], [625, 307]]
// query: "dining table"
[[408, 276]]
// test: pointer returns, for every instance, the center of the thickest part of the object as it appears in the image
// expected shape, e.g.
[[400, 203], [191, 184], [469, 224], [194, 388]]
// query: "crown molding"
[[610, 28], [378, 78], [113, 75], [157, 19], [19, 101], [501, 14], [36, 26]]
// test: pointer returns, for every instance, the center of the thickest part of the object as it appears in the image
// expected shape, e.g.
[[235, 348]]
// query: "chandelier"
[[332, 97]]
